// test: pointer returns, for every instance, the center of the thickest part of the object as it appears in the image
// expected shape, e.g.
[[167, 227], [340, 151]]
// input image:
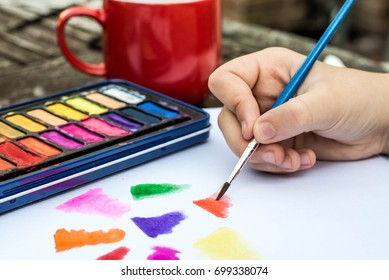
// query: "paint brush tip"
[[223, 190]]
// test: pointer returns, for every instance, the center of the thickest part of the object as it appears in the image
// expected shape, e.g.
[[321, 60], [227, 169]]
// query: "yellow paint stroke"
[[85, 105], [226, 244], [66, 240]]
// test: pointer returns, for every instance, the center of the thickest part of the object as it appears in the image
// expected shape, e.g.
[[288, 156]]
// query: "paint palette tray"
[[55, 143]]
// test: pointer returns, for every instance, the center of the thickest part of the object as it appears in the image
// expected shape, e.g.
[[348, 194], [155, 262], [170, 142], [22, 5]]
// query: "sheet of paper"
[[337, 210]]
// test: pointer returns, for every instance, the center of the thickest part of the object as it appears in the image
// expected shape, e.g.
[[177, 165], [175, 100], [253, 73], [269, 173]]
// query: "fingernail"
[[268, 157], [286, 164], [305, 159], [266, 131]]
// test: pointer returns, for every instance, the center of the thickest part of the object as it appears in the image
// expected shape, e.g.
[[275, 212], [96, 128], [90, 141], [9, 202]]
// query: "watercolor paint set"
[[61, 141]]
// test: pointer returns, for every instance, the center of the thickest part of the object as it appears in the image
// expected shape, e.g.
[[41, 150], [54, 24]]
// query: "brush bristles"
[[223, 190]]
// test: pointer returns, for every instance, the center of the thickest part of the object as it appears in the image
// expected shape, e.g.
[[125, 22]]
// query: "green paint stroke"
[[142, 191]]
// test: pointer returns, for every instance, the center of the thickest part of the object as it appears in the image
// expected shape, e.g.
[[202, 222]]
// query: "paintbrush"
[[292, 87]]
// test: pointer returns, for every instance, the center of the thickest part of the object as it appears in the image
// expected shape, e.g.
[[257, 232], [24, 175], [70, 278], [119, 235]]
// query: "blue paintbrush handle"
[[296, 81]]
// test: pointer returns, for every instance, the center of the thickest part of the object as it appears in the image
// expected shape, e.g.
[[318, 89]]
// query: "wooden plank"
[[39, 10], [71, 30], [38, 40], [18, 12], [7, 20], [82, 29], [16, 54], [379, 8], [41, 35], [281, 14], [5, 63], [240, 39], [47, 40], [28, 45], [41, 79]]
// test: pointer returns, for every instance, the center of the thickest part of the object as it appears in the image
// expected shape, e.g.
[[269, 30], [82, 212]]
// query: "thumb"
[[301, 114]]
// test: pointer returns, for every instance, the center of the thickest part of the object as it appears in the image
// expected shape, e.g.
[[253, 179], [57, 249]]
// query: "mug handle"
[[99, 15]]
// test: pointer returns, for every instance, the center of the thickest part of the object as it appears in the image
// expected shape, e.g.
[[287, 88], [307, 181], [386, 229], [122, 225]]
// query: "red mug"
[[171, 46]]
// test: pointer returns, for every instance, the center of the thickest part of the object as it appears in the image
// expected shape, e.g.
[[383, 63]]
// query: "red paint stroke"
[[163, 253], [117, 254], [219, 208], [66, 240]]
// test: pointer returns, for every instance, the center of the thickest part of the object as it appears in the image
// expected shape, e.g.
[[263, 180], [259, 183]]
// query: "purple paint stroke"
[[163, 253], [95, 202], [155, 226]]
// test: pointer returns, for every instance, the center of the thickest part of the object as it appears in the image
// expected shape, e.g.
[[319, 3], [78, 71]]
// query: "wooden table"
[[31, 64]]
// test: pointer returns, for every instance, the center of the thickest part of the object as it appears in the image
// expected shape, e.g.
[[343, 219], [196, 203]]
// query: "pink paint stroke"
[[95, 202]]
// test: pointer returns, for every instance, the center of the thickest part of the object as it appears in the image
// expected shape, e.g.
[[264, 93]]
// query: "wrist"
[[385, 148], [385, 136]]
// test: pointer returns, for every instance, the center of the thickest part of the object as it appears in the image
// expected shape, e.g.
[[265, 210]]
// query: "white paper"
[[337, 210]]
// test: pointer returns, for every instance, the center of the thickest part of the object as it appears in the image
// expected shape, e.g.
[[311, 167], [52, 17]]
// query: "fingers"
[[277, 159], [252, 82], [269, 158], [304, 113], [232, 84], [320, 122], [230, 127]]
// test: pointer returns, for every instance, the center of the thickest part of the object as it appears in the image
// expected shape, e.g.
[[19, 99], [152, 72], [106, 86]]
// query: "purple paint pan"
[[122, 121]]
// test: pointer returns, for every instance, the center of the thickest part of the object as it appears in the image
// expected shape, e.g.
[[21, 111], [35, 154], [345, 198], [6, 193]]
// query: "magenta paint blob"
[[163, 253]]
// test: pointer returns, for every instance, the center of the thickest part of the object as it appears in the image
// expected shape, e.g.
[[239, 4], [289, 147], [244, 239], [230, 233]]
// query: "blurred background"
[[365, 31], [32, 65]]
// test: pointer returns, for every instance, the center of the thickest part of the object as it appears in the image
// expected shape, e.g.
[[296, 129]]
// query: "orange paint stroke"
[[66, 240], [217, 208]]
